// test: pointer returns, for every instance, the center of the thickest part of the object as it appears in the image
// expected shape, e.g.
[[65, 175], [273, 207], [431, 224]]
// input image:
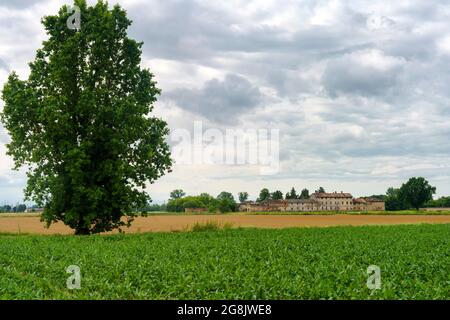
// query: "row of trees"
[[443, 202], [153, 207], [16, 208], [415, 193], [224, 202], [265, 194]]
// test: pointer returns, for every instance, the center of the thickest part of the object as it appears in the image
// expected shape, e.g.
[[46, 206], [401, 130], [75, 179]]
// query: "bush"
[[443, 202], [223, 203]]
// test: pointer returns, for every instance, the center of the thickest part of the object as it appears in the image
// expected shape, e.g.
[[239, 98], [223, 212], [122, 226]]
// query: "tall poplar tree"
[[81, 122]]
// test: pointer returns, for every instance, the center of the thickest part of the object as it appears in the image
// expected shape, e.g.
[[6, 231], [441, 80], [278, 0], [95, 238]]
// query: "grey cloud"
[[220, 101], [411, 46], [344, 76], [4, 65], [192, 31], [19, 4]]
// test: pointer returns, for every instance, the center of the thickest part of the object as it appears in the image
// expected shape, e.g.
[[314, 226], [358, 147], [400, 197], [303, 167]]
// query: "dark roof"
[[246, 202], [332, 195], [300, 200], [374, 200], [365, 200], [273, 201]]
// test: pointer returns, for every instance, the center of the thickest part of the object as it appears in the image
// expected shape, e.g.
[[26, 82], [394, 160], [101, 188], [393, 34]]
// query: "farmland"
[[182, 222], [387, 213], [296, 263]]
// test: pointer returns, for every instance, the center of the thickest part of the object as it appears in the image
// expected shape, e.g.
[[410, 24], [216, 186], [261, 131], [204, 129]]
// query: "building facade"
[[335, 201]]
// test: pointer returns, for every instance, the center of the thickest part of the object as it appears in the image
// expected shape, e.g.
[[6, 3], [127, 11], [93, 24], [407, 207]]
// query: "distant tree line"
[[16, 208], [224, 202], [442, 202], [153, 207], [265, 194], [414, 194]]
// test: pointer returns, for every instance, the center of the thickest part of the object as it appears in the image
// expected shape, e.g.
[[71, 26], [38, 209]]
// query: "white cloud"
[[376, 59], [359, 90], [443, 45]]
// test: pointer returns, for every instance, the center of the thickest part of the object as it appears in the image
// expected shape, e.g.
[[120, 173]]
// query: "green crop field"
[[306, 263]]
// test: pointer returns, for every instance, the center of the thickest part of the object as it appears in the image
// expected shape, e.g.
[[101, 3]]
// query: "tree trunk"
[[80, 231]]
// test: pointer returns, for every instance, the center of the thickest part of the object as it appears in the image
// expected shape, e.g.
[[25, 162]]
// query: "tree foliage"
[[292, 194], [277, 195], [243, 196], [17, 208], [416, 192], [224, 202], [321, 190], [81, 122], [393, 202], [177, 194], [264, 194], [442, 202], [153, 207], [179, 204], [304, 194]]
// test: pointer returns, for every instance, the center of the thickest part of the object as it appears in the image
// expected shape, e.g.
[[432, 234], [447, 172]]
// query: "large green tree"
[[304, 194], [225, 202], [277, 195], [243, 196], [292, 194], [416, 192], [81, 122], [393, 201], [321, 190], [177, 194], [264, 194]]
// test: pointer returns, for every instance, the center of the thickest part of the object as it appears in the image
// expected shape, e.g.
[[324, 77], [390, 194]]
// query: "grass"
[[306, 263], [210, 226], [19, 214]]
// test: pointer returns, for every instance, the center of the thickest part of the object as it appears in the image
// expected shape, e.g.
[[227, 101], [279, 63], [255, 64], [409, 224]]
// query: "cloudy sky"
[[359, 90]]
